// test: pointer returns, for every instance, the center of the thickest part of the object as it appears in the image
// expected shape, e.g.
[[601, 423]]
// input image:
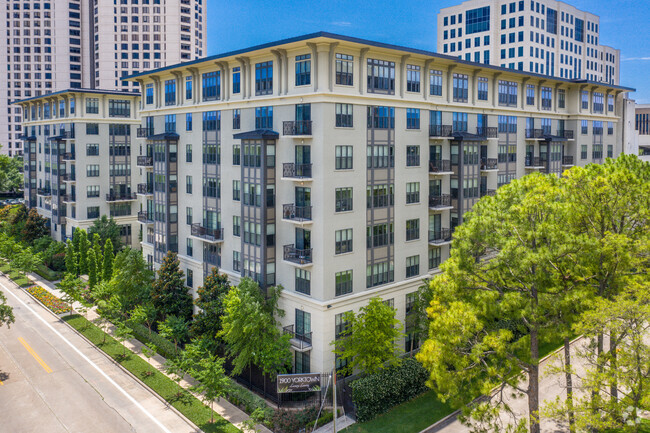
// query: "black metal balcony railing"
[[69, 198], [298, 171], [533, 161], [439, 236], [443, 200], [296, 127], [487, 132], [296, 213], [68, 156], [485, 192], [145, 161], [567, 160], [212, 235], [296, 255], [120, 196], [489, 163], [567, 133], [68, 177], [145, 188], [44, 191], [143, 132], [440, 130], [145, 217], [301, 341], [442, 165], [534, 133]]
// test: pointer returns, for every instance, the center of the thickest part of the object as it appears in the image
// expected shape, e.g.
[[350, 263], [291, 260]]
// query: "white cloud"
[[341, 23], [635, 59]]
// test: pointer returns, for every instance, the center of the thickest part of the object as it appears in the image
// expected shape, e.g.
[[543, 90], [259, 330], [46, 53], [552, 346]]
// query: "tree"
[[84, 246], [174, 328], [107, 272], [368, 340], [170, 295], [92, 268], [70, 258], [212, 380], [207, 322], [132, 279], [107, 229], [11, 177], [144, 315], [250, 330], [35, 227], [6, 312], [99, 256], [71, 286], [24, 259], [488, 314]]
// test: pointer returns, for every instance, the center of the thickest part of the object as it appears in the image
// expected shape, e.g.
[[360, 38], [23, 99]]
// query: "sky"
[[237, 24]]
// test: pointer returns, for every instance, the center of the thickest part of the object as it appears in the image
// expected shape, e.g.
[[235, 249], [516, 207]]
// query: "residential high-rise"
[[546, 37], [95, 44]]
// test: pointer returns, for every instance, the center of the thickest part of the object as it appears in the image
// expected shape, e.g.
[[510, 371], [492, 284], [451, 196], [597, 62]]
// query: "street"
[[53, 380]]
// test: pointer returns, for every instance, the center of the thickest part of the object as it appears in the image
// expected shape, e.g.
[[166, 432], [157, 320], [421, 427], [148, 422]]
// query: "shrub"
[[47, 273], [285, 421], [375, 394], [163, 346], [246, 400]]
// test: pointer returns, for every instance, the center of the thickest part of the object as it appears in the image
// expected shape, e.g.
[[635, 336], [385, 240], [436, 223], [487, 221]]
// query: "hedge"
[[47, 273], [377, 393], [244, 399], [163, 346]]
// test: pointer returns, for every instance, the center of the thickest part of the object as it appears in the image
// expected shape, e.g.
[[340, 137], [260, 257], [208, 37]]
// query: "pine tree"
[[84, 245], [98, 256], [70, 258], [207, 322], [170, 295], [107, 263], [92, 268]]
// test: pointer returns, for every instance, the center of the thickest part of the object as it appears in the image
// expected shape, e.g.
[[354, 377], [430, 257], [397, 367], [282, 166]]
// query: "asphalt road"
[[52, 380]]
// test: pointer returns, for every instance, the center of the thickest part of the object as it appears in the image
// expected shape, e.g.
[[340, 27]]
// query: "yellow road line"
[[36, 357]]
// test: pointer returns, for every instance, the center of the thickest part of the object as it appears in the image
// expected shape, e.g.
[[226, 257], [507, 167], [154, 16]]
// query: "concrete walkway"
[[225, 409], [341, 423]]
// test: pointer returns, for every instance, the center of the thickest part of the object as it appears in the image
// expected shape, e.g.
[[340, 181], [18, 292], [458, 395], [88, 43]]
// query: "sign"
[[298, 382]]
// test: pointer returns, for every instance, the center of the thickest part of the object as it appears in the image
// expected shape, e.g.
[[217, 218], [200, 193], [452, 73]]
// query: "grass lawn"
[[187, 404]]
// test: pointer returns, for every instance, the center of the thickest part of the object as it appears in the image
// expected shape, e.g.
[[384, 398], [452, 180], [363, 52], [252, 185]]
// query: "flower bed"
[[49, 300]]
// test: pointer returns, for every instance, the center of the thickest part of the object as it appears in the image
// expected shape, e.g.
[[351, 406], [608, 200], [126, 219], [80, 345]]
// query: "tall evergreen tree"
[[35, 227], [170, 295], [84, 245], [92, 268], [99, 257], [207, 322], [107, 228], [107, 263], [70, 258]]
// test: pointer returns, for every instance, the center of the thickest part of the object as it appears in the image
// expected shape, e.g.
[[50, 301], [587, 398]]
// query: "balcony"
[[442, 166], [301, 342], [297, 128], [439, 131], [68, 156], [490, 192], [145, 218], [489, 164], [60, 219], [567, 133], [145, 188], [120, 196], [291, 212], [567, 160], [440, 202], [68, 177], [296, 171], [487, 132], [206, 234], [67, 134], [144, 161], [440, 236], [69, 198], [297, 256], [534, 162], [534, 134], [144, 132], [44, 191]]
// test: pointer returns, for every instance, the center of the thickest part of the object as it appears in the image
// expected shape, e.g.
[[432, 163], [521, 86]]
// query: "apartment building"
[[95, 44], [642, 128], [78, 159], [547, 37]]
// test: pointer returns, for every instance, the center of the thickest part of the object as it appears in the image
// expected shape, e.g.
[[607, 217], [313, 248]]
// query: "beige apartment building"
[[547, 37], [56, 45]]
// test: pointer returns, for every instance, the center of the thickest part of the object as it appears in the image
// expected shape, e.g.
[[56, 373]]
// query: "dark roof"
[[164, 136], [372, 44], [466, 136], [554, 138], [256, 134], [79, 90]]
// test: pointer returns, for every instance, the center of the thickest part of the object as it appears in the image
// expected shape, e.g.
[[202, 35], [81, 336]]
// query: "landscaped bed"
[[49, 300]]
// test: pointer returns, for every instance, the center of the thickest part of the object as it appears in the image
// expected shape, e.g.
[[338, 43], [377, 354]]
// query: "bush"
[[246, 400], [375, 394], [47, 273], [163, 346], [285, 421]]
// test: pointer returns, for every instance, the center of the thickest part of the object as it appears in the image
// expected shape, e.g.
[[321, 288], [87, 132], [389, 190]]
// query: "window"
[[170, 92], [170, 123], [412, 192], [412, 118], [149, 94], [610, 151], [188, 87], [597, 151], [412, 78], [119, 108], [379, 235], [343, 241], [434, 258], [585, 99], [92, 105], [188, 215], [477, 20], [459, 123], [412, 266], [547, 96], [236, 261], [561, 98], [188, 121], [584, 127], [343, 199], [610, 128], [92, 191], [610, 103], [303, 281], [343, 283], [413, 227], [188, 184], [236, 154], [460, 87], [344, 69], [482, 89], [379, 273], [583, 151], [190, 252], [236, 118], [92, 129], [598, 102], [303, 70], [381, 76], [344, 115], [236, 225], [236, 80], [93, 212], [92, 149], [412, 156], [435, 82], [264, 118], [343, 157], [92, 170], [508, 93], [188, 153], [530, 94], [211, 83], [264, 78]]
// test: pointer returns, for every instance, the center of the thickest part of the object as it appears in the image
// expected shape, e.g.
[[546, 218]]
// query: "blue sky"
[[237, 24]]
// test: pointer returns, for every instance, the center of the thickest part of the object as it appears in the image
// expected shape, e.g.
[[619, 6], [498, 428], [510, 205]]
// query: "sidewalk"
[[225, 409]]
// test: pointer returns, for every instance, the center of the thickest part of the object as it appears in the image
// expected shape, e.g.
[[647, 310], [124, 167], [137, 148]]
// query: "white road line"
[[119, 388]]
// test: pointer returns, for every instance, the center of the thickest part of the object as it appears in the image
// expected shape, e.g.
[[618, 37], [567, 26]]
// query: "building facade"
[[95, 44], [546, 37], [80, 159], [339, 167], [642, 129]]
